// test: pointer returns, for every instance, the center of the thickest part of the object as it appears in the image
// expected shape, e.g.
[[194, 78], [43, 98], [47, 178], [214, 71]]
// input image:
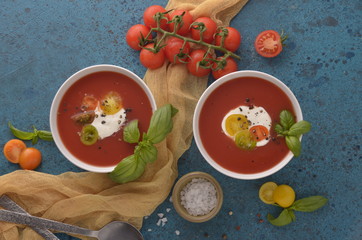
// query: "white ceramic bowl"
[[63, 89], [206, 94]]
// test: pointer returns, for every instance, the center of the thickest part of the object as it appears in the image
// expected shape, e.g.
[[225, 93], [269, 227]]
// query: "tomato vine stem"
[[186, 39]]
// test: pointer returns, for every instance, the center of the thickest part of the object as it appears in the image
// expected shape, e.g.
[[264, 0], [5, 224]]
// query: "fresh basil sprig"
[[133, 166], [292, 131], [308, 204], [34, 136]]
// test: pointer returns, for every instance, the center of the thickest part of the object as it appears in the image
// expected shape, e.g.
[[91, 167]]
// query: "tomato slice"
[[13, 149], [89, 102], [259, 132], [268, 44]]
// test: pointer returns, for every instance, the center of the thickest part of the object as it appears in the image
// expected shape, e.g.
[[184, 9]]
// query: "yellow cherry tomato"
[[284, 195], [236, 122], [266, 192]]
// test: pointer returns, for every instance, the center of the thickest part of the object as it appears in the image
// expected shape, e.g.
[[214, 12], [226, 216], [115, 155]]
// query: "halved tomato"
[[268, 44]]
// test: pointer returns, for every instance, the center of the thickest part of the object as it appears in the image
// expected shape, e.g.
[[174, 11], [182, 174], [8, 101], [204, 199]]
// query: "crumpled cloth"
[[92, 200]]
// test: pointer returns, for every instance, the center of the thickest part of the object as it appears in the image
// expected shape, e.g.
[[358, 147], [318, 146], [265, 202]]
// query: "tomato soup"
[[110, 150], [249, 92]]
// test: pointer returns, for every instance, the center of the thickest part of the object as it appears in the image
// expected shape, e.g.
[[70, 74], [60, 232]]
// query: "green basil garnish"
[[34, 136], [309, 204], [161, 123], [286, 119], [132, 167], [131, 133], [129, 169], [299, 128], [286, 216], [294, 145], [292, 131]]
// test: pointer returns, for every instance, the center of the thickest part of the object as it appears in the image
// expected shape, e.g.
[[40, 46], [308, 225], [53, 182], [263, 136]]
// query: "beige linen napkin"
[[91, 200]]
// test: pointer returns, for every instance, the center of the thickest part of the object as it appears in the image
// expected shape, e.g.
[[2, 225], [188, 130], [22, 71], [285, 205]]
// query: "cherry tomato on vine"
[[150, 59], [195, 61], [173, 50], [135, 34], [13, 149], [184, 27], [268, 43], [230, 66], [150, 21], [30, 158], [208, 34], [232, 39]]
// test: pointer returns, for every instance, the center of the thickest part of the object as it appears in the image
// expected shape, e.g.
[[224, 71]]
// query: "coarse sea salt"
[[198, 197]]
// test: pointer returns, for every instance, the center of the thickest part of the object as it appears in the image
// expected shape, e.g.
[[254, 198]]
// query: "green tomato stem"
[[186, 39]]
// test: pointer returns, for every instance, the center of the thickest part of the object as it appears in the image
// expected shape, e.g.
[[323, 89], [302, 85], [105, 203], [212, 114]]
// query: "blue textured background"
[[43, 42]]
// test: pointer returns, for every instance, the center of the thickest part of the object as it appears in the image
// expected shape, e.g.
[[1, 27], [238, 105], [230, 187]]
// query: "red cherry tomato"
[[229, 67], [259, 132], [208, 34], [232, 38], [135, 33], [150, 59], [173, 47], [89, 102], [184, 27], [268, 44], [196, 57], [150, 21]]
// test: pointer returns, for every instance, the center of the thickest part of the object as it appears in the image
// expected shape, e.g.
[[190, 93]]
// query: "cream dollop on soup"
[[105, 124], [252, 118]]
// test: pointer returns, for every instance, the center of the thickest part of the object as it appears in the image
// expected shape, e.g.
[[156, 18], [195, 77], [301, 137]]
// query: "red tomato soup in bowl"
[[234, 124], [90, 110]]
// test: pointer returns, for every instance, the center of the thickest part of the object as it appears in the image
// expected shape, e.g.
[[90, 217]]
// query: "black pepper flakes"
[[247, 100], [128, 110], [239, 118], [240, 109], [103, 115], [103, 122]]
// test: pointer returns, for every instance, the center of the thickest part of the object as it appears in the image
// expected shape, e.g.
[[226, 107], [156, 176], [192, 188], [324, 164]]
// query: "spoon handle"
[[22, 218], [9, 204]]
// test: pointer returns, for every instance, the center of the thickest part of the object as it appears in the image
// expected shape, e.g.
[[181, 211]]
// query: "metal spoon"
[[114, 230], [9, 204]]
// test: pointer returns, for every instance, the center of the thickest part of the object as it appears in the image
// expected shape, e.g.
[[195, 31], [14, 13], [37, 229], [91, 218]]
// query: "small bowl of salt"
[[197, 197]]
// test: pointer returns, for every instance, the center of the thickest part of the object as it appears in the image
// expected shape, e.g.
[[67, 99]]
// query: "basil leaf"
[[45, 135], [279, 129], [173, 111], [35, 139], [309, 204], [299, 128], [161, 123], [294, 145], [285, 217], [129, 169], [286, 119], [146, 152], [131, 133], [21, 134]]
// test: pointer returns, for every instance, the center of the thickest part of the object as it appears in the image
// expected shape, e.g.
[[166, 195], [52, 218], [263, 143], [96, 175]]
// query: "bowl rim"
[[63, 89], [181, 183], [210, 89]]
